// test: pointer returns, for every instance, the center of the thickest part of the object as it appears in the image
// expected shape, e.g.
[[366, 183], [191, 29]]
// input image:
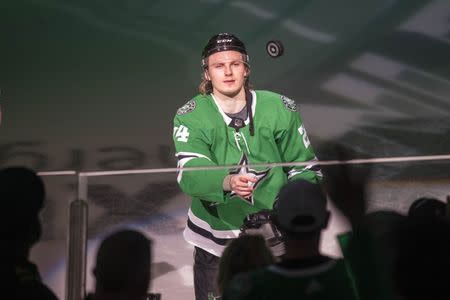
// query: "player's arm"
[[193, 150], [295, 146]]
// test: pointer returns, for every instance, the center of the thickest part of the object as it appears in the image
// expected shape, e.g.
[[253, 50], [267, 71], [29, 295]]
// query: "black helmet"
[[223, 42]]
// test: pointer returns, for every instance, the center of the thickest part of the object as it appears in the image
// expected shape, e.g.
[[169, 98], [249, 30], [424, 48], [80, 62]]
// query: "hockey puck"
[[274, 49]]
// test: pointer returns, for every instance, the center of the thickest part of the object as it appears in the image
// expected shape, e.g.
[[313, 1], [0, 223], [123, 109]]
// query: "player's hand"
[[242, 185]]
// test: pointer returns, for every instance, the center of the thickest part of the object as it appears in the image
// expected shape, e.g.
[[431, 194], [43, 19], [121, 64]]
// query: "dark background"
[[94, 85]]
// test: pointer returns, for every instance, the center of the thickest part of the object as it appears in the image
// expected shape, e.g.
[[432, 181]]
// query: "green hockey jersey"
[[204, 137], [319, 280]]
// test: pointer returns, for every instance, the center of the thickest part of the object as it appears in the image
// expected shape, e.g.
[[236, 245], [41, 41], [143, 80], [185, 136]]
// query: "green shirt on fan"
[[318, 278]]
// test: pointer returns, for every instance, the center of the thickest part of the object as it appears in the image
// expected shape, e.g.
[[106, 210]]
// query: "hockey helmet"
[[223, 42]]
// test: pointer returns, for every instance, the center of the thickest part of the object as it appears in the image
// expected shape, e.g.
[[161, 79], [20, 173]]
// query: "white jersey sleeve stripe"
[[199, 155], [187, 156]]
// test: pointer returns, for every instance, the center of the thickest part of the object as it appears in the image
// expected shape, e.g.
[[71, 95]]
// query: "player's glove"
[[262, 223]]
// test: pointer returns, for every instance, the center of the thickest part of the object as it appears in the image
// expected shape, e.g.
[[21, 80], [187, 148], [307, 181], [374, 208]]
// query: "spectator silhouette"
[[123, 267], [384, 226], [22, 193], [303, 272], [371, 253], [390, 256], [369, 249], [421, 271], [243, 254], [427, 207], [423, 252]]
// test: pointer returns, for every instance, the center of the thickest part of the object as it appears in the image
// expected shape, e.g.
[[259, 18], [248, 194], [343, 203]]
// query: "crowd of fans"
[[386, 254]]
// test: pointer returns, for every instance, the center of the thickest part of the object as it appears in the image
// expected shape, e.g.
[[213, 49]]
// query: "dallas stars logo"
[[244, 170]]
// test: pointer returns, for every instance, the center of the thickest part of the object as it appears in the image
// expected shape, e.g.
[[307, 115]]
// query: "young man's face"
[[227, 72]]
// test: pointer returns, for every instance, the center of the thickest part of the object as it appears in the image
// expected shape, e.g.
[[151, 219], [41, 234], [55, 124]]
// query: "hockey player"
[[228, 123]]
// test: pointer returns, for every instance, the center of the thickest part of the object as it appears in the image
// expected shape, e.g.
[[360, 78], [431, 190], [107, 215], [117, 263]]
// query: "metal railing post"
[[77, 243]]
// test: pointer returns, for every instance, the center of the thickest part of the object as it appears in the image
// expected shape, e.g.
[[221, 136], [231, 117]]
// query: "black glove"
[[262, 223]]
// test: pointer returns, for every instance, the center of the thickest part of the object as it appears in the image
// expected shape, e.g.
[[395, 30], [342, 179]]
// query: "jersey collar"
[[226, 118]]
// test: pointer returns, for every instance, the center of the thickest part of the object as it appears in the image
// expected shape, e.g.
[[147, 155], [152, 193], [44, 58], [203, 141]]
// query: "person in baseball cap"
[[303, 271]]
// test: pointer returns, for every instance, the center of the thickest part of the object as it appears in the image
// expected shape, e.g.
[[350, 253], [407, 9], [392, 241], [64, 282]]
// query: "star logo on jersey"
[[245, 170]]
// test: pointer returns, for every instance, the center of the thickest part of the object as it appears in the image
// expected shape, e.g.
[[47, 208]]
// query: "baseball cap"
[[301, 207]]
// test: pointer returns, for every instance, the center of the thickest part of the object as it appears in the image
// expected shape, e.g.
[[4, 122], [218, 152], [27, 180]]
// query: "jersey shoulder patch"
[[187, 107], [289, 103]]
